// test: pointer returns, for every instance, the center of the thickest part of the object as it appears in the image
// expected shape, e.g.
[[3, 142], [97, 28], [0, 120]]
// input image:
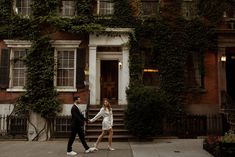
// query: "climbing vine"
[[40, 95], [213, 10], [171, 40]]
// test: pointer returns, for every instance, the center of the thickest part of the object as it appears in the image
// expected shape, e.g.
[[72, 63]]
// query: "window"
[[151, 77], [18, 68], [66, 59], [198, 67], [105, 7], [149, 7], [17, 73], [188, 9], [68, 8], [65, 56], [195, 78], [23, 7], [65, 69], [151, 72]]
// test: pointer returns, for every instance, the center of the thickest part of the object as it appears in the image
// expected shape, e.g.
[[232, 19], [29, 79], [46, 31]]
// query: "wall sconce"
[[16, 10], [225, 14], [223, 59], [120, 64]]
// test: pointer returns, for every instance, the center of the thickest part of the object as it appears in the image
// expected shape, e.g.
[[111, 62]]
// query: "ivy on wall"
[[171, 39], [213, 10], [40, 95]]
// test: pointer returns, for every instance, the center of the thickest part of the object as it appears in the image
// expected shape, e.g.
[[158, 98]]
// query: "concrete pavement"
[[170, 148], [157, 148]]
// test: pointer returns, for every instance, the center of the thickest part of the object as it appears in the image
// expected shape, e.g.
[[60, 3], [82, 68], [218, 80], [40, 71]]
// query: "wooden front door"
[[109, 80]]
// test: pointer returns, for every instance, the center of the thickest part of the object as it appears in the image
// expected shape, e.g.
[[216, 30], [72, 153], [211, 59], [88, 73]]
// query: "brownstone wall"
[[207, 101], [64, 97]]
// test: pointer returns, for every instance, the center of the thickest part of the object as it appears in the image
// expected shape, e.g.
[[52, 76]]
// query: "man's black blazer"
[[77, 117]]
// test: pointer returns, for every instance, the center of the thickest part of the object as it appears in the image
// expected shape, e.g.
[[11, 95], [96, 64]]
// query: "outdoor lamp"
[[223, 58], [120, 64]]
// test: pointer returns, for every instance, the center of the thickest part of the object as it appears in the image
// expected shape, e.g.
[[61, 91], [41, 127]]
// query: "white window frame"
[[70, 8], [28, 8], [66, 88], [108, 11], [12, 68], [64, 45], [57, 44], [15, 45]]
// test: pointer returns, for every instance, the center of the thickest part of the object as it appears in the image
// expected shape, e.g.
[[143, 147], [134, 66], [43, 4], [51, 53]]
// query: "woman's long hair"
[[109, 105]]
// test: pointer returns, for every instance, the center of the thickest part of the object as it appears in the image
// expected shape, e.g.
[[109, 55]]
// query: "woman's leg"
[[99, 139], [110, 139]]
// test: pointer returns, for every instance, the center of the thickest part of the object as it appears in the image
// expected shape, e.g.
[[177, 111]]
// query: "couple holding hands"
[[78, 122]]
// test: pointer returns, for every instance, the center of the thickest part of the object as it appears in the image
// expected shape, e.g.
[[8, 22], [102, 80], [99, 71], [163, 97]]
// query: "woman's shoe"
[[95, 147], [110, 148]]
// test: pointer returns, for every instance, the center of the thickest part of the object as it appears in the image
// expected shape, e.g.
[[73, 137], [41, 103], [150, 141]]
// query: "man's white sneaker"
[[71, 153], [90, 150]]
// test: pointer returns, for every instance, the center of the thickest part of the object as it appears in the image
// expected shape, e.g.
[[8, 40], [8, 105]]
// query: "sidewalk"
[[170, 148], [157, 148]]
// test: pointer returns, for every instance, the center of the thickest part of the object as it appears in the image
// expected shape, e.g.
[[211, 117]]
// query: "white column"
[[92, 73], [125, 74], [221, 72]]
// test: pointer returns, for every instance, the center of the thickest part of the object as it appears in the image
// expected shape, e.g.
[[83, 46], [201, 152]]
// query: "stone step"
[[99, 132], [93, 130], [115, 138], [96, 125]]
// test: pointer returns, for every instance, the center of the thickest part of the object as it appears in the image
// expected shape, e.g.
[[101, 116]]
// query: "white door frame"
[[94, 65]]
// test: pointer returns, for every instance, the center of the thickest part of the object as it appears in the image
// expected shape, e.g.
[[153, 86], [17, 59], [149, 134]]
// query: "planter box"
[[227, 149], [212, 148]]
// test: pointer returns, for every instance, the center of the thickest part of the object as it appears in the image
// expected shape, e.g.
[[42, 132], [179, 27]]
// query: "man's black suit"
[[77, 128]]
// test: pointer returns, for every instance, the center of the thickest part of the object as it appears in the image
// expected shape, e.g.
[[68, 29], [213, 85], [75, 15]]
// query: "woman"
[[106, 113]]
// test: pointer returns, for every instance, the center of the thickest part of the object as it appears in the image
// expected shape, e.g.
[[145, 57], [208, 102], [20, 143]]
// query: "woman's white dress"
[[107, 115]]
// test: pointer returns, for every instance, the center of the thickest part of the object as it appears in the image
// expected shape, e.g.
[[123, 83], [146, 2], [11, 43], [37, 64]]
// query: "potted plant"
[[227, 144], [211, 145]]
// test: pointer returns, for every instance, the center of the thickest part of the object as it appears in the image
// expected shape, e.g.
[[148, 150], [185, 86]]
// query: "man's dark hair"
[[75, 98]]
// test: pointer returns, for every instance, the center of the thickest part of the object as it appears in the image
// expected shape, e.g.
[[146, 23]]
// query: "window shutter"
[[81, 61], [4, 68]]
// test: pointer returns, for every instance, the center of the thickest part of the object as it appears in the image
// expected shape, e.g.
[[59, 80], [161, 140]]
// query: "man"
[[77, 124]]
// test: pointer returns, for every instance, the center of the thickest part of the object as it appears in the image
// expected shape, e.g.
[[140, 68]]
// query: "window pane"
[[106, 7], [19, 68], [151, 78], [68, 8], [66, 55], [149, 7], [151, 71], [65, 63], [71, 63], [65, 72], [23, 7]]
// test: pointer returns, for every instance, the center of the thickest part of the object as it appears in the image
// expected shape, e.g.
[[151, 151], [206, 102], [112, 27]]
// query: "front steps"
[[93, 130]]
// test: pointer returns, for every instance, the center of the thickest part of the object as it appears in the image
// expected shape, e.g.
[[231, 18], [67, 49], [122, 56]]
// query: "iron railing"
[[228, 111], [185, 126], [192, 126]]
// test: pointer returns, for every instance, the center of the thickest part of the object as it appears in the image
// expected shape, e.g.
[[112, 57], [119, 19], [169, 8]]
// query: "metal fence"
[[184, 126], [17, 125], [191, 126], [215, 124], [13, 126], [60, 126], [3, 125]]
